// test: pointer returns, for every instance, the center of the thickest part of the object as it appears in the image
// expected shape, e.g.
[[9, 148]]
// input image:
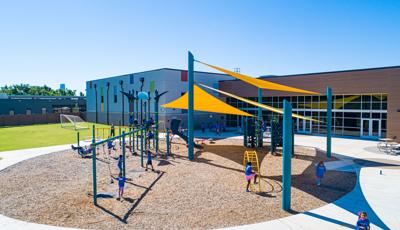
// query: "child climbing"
[[121, 184], [149, 137], [320, 171], [363, 222], [249, 174], [110, 146], [149, 160]]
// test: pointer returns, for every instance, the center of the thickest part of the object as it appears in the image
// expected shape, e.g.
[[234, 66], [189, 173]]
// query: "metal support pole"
[[119, 133], [137, 139], [156, 120], [168, 144], [148, 106], [141, 146], [245, 132], [133, 141], [329, 122], [145, 110], [259, 116], [287, 155], [190, 106], [137, 105], [145, 140], [130, 136], [141, 112], [123, 153], [94, 166], [272, 131]]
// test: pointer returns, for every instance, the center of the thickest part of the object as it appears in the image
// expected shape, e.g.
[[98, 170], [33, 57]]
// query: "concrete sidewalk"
[[376, 193]]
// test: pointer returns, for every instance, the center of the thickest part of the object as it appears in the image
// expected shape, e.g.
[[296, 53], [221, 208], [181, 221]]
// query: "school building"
[[105, 102], [366, 102]]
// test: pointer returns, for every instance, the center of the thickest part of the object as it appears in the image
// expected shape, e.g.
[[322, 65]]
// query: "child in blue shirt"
[[319, 172], [110, 146], [249, 174], [149, 160], [363, 222], [121, 184], [120, 163]]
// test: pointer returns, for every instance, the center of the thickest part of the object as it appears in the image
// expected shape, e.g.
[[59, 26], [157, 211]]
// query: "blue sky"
[[52, 42]]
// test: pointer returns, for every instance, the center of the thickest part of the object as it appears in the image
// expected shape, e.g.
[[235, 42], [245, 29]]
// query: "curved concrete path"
[[376, 193]]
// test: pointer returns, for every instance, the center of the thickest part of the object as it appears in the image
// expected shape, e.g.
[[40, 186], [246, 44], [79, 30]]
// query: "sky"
[[73, 41]]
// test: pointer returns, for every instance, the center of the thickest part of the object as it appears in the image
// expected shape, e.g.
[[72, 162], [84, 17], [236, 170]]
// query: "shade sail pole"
[[287, 155], [329, 122], [190, 106], [259, 124]]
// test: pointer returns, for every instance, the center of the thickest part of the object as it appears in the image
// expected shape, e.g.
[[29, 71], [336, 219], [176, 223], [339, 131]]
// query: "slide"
[[174, 128]]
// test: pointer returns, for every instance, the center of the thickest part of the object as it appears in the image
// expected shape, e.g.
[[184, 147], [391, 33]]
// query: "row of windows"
[[28, 111], [339, 102], [364, 98]]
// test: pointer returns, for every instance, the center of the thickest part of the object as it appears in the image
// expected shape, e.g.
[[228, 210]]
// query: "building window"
[[102, 99], [44, 110], [12, 112], [184, 75], [131, 79], [90, 84], [28, 112], [115, 98]]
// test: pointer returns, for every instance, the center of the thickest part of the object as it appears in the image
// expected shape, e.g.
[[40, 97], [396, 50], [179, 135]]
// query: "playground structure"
[[191, 102], [198, 99]]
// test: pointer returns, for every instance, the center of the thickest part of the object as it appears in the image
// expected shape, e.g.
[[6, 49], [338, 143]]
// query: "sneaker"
[[247, 190]]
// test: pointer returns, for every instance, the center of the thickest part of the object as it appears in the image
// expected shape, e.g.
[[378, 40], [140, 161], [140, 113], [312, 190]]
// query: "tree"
[[26, 89]]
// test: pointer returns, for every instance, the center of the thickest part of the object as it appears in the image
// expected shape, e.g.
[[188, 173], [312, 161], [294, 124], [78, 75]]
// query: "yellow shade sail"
[[205, 102], [267, 107], [260, 83]]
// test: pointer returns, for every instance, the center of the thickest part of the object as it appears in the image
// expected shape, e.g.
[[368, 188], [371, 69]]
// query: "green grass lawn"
[[31, 136]]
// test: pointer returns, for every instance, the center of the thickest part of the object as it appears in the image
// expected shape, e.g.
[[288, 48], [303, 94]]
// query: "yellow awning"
[[205, 102], [260, 83], [267, 107]]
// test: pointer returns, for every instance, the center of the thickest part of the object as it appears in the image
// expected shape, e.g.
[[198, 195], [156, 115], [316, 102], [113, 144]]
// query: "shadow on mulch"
[[330, 190], [136, 203]]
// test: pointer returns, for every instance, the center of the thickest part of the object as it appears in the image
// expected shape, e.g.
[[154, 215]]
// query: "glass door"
[[304, 126], [371, 128]]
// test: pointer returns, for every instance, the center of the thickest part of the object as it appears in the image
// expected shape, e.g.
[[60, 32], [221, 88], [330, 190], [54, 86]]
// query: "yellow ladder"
[[251, 156]]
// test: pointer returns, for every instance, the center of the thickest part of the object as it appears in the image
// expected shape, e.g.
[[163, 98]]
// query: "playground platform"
[[376, 191]]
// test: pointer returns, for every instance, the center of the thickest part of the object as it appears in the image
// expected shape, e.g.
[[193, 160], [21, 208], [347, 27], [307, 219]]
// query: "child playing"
[[112, 130], [249, 174], [150, 136], [363, 222], [120, 163], [121, 184], [110, 146], [320, 171], [149, 160]]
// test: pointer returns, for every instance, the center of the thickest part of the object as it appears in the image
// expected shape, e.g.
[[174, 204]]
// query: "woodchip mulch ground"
[[206, 193]]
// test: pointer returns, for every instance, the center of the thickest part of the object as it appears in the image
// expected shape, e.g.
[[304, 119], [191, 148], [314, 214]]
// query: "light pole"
[[141, 101], [108, 103], [95, 91], [121, 82]]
